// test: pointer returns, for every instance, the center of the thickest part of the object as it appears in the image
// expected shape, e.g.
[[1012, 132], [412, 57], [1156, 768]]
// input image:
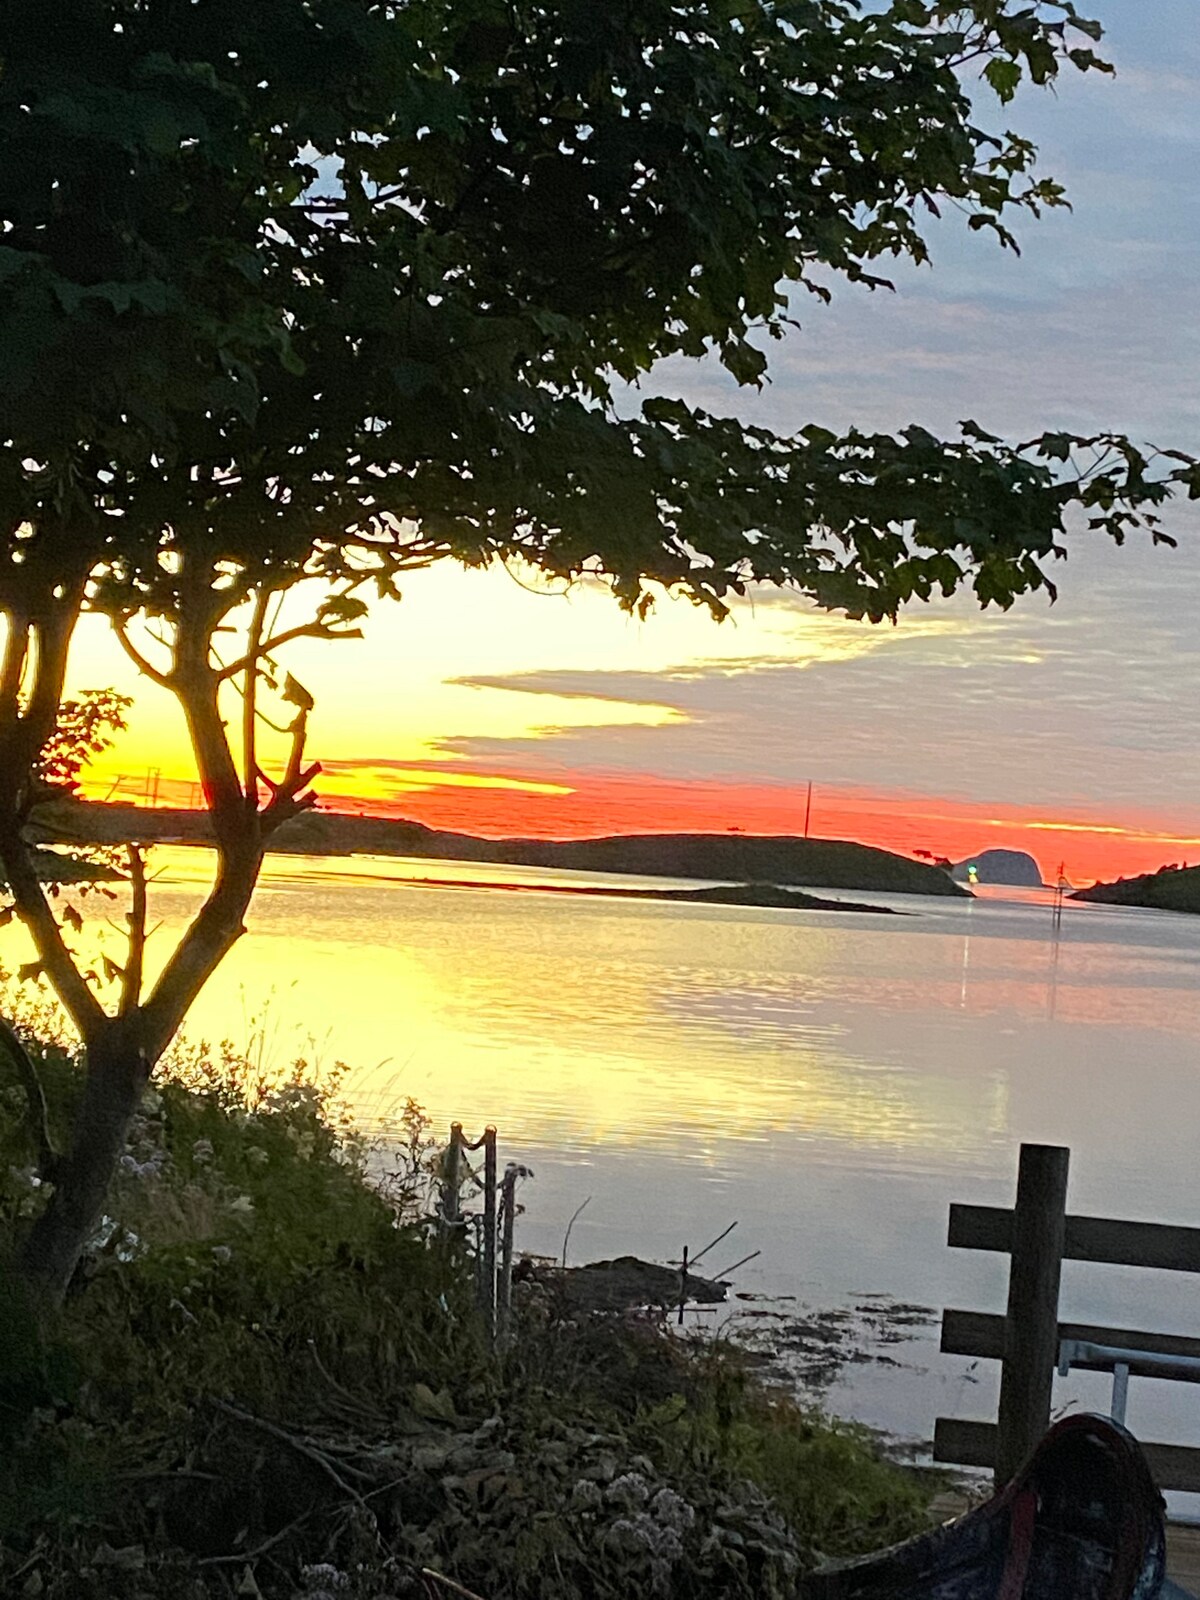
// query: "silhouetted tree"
[[332, 289]]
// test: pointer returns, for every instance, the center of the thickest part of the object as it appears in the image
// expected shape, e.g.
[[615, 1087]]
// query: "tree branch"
[[52, 634], [140, 661], [196, 685], [16, 652], [249, 697], [303, 630], [288, 796], [49, 1159], [131, 977], [34, 911], [213, 932]]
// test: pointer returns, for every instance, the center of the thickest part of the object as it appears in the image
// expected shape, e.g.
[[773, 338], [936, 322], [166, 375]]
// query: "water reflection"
[[589, 1023], [832, 1080]]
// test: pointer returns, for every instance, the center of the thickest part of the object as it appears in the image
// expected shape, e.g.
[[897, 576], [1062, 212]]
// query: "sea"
[[828, 1082]]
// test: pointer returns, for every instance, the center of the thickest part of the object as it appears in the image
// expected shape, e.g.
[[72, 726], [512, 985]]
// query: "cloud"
[[1093, 702]]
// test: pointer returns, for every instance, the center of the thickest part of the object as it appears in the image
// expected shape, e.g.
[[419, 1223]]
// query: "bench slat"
[[981, 1334], [1104, 1239], [973, 1444]]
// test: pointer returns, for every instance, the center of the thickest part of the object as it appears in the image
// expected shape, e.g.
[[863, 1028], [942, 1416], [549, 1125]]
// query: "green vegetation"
[[269, 1379], [1173, 888]]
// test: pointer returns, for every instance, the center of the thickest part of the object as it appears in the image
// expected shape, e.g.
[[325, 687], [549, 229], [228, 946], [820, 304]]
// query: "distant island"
[[1015, 868], [1168, 889], [737, 858], [726, 894]]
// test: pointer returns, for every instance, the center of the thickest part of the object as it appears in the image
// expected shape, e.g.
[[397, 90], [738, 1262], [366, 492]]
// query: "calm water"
[[832, 1081]]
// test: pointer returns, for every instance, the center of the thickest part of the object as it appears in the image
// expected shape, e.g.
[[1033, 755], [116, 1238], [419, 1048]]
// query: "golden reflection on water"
[[582, 1023]]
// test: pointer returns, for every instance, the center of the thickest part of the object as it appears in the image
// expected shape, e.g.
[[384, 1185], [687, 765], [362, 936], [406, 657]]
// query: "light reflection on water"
[[832, 1081]]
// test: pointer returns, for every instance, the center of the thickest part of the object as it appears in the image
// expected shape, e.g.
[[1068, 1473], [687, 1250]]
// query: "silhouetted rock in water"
[[626, 1283], [1171, 888], [758, 894], [735, 857], [725, 894], [1013, 867]]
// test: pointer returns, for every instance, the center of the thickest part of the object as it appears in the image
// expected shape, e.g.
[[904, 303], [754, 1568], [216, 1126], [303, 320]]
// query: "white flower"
[[323, 1579], [222, 1253], [630, 1490], [672, 1510], [586, 1496], [243, 1205]]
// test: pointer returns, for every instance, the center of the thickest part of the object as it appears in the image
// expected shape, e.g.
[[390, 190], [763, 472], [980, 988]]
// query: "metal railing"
[[1120, 1360]]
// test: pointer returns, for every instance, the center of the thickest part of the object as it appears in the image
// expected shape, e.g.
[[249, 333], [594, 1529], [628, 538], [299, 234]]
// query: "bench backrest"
[[1038, 1235]]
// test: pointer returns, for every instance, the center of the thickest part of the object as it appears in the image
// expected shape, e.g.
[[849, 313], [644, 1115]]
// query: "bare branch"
[[34, 911], [249, 696], [131, 977], [144, 666], [303, 630], [35, 1099]]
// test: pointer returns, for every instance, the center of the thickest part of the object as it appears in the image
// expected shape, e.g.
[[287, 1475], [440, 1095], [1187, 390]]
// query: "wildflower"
[[202, 1152], [222, 1254], [129, 1246], [630, 1490], [586, 1496], [243, 1205], [671, 1510], [323, 1580]]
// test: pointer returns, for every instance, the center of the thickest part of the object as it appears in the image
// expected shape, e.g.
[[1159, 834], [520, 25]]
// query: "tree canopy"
[[274, 277], [334, 288]]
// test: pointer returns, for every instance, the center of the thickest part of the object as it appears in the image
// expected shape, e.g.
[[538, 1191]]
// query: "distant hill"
[[1168, 889], [1012, 867], [738, 857]]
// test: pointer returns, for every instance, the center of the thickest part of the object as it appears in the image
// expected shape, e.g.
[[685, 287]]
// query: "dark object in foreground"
[[1082, 1520], [626, 1284]]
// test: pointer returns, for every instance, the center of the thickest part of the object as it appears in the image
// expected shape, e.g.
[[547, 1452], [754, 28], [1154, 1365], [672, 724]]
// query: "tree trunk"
[[117, 1072]]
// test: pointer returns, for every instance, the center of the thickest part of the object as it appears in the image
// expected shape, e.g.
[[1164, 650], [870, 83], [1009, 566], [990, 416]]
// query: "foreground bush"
[[270, 1379]]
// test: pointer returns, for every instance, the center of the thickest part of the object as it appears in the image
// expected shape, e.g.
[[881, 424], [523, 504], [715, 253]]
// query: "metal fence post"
[[451, 1168], [508, 1200], [489, 1229]]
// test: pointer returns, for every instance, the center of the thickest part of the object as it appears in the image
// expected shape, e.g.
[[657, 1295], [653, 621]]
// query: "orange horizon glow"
[[456, 721], [581, 806]]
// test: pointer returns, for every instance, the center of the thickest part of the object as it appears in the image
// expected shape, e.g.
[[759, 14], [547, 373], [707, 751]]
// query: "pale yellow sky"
[[392, 695]]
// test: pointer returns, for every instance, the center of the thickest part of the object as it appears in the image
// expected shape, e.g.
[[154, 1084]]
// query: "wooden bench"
[[1038, 1235]]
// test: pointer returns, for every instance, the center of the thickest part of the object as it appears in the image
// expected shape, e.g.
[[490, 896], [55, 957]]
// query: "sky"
[[1071, 731]]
